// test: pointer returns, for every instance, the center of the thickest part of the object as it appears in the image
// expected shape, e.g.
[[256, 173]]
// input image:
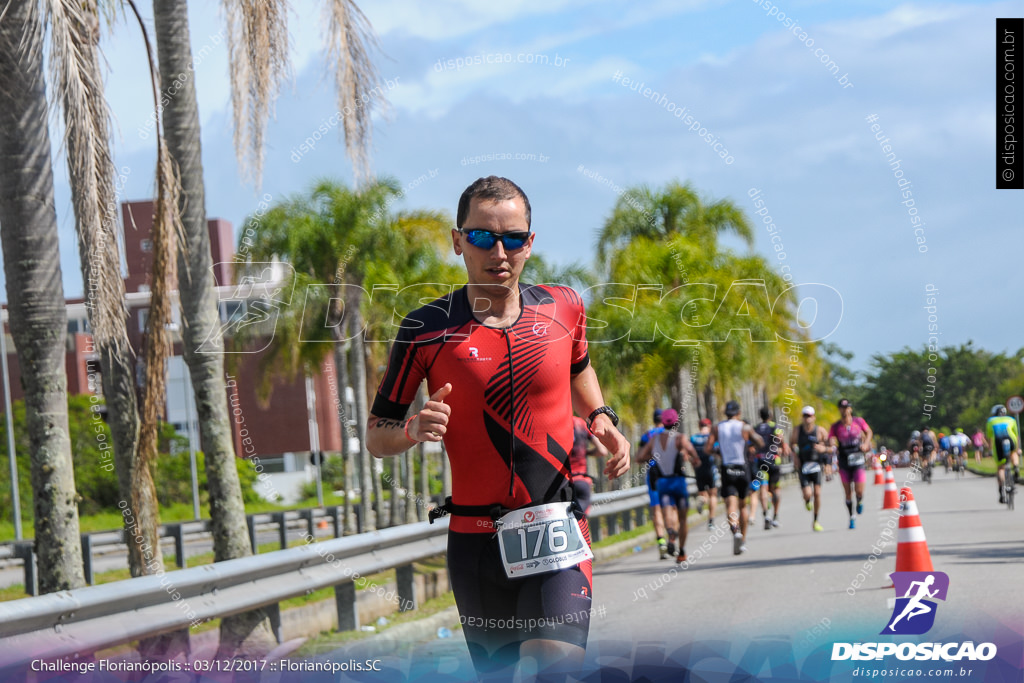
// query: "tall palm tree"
[[201, 339], [38, 318]]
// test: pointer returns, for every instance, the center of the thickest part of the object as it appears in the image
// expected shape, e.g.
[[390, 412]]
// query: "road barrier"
[[88, 619]]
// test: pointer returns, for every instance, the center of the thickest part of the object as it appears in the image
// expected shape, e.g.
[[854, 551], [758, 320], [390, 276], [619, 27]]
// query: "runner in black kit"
[[764, 471], [706, 471], [505, 366], [810, 444]]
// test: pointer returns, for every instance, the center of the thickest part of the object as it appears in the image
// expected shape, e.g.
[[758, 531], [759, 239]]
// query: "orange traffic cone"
[[911, 547], [891, 499], [879, 475]]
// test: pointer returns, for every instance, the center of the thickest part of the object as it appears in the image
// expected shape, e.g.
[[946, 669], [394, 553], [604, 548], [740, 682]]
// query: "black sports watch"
[[604, 410]]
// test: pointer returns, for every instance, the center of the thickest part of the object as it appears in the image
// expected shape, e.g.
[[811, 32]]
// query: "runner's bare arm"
[[586, 398], [385, 436]]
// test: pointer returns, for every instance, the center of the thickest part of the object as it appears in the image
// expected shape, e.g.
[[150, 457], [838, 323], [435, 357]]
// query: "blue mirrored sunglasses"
[[485, 239]]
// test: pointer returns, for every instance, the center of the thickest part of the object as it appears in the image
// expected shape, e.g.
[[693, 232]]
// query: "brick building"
[[300, 414]]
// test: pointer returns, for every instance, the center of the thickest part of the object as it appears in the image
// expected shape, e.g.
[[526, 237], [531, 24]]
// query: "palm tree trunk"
[[409, 484], [247, 633], [94, 199], [369, 482], [38, 318], [395, 504], [341, 375]]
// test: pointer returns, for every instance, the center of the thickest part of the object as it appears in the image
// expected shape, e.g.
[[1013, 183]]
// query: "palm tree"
[[696, 295], [343, 243], [678, 209], [38, 318], [201, 339]]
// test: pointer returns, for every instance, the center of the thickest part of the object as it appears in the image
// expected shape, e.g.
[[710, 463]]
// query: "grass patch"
[[986, 466], [327, 641], [624, 536]]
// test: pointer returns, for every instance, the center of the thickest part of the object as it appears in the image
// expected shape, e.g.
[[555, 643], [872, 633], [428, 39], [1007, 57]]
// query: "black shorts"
[[812, 479], [583, 488], [705, 479], [735, 481], [1003, 448], [499, 613]]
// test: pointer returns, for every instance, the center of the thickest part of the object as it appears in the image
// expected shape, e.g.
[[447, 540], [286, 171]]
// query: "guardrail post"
[[282, 529], [274, 614], [178, 534], [27, 554], [406, 580], [641, 516], [251, 523], [348, 608], [627, 521], [595, 529], [332, 512], [87, 558], [613, 524], [358, 510], [307, 515]]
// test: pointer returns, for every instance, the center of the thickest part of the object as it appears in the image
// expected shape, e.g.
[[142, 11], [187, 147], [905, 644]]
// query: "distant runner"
[[766, 464], [706, 471], [652, 487], [810, 446], [732, 435], [851, 437], [670, 450]]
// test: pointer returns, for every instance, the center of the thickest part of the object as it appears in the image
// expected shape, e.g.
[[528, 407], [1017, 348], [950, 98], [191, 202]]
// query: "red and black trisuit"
[[508, 441]]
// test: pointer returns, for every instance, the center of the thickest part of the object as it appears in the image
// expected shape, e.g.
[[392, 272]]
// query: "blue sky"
[[794, 132]]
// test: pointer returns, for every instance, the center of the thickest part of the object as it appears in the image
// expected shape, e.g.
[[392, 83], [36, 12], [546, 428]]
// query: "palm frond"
[[75, 70], [350, 39], [258, 65]]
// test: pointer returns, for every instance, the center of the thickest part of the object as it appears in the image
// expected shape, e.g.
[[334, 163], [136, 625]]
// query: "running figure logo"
[[914, 612]]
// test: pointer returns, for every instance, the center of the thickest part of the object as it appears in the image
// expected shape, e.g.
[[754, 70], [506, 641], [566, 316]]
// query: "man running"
[[669, 450], [765, 472], [810, 444], [732, 435], [706, 472], [506, 365], [652, 488], [1004, 441], [851, 437]]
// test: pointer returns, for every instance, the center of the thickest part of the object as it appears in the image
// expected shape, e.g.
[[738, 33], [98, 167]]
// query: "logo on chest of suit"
[[472, 354]]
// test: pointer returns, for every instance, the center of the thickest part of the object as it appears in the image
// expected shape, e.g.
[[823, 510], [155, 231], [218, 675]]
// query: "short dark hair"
[[765, 413], [492, 188]]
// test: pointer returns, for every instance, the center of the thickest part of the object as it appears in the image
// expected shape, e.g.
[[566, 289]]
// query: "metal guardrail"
[[93, 618], [180, 533]]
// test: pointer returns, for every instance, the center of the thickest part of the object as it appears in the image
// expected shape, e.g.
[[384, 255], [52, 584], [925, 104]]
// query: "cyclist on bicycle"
[[914, 447], [958, 444], [1004, 441]]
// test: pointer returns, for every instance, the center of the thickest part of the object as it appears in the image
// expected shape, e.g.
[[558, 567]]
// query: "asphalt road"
[[794, 593]]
